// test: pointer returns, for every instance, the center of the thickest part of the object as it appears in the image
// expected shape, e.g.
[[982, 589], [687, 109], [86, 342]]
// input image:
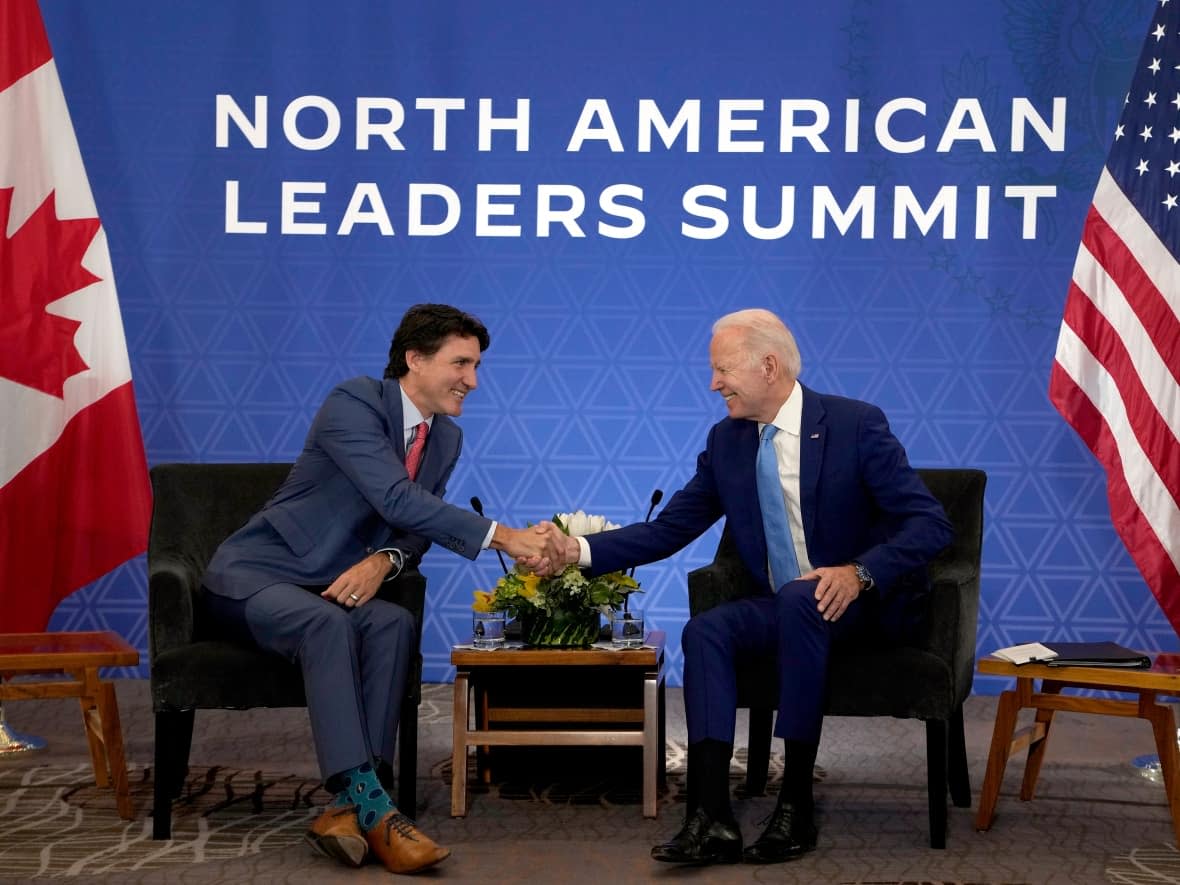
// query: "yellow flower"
[[483, 601], [531, 583]]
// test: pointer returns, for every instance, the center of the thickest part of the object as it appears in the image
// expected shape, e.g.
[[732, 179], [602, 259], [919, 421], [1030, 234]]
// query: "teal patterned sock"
[[362, 789]]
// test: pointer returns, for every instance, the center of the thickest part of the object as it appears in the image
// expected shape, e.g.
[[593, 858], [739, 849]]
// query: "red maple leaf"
[[41, 263]]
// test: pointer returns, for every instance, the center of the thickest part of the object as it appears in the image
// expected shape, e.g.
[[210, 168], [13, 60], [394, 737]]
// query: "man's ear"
[[770, 367]]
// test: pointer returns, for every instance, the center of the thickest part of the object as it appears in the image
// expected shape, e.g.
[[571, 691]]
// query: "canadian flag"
[[74, 495]]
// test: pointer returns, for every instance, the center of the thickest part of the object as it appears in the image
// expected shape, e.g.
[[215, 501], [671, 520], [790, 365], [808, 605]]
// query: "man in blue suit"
[[362, 502], [828, 514]]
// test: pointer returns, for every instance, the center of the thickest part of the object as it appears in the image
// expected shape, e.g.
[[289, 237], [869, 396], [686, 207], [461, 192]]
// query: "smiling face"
[[754, 386], [438, 383]]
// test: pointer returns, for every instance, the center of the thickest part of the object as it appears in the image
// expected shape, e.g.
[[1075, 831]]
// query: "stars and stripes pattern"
[[1116, 374]]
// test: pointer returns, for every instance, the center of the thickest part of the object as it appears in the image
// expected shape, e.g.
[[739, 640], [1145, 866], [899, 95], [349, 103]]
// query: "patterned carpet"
[[573, 815]]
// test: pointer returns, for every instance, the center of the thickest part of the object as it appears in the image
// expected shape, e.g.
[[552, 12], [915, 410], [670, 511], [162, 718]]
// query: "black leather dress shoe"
[[702, 841], [789, 833]]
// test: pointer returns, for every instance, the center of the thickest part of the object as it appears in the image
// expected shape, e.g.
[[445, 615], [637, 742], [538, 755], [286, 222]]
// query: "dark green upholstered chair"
[[196, 507], [928, 680]]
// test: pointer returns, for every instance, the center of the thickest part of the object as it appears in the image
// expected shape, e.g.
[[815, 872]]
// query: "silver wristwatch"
[[862, 574]]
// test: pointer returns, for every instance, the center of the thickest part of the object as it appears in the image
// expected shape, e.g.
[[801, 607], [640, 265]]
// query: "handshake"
[[542, 549]]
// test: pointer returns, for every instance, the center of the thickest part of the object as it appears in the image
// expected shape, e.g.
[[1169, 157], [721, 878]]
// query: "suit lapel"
[[812, 438], [391, 399], [440, 446]]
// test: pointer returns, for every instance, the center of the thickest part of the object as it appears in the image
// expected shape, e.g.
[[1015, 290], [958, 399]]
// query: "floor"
[[576, 817]]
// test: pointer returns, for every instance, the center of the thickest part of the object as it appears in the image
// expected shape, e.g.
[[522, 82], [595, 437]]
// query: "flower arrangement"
[[562, 598]]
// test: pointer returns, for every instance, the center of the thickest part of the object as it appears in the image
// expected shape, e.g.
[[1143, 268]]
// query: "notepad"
[[1029, 653]]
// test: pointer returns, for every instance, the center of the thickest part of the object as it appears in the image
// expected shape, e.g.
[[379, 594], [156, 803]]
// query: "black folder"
[[1096, 654]]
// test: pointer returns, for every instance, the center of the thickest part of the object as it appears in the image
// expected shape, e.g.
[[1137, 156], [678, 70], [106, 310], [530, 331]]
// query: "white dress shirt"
[[789, 422]]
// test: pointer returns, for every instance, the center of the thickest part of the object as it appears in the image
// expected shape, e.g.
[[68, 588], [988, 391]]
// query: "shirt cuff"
[[584, 554], [487, 539]]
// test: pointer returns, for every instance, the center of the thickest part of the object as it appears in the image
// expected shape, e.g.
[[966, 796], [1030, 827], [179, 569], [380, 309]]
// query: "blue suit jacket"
[[348, 495], [861, 501]]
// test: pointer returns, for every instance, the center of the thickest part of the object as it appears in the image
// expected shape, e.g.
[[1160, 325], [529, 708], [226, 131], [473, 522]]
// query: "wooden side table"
[[78, 656], [632, 715], [1163, 678]]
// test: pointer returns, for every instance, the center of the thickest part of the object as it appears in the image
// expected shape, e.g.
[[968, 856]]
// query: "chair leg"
[[407, 776], [407, 741], [960, 778], [936, 787], [758, 750], [174, 738]]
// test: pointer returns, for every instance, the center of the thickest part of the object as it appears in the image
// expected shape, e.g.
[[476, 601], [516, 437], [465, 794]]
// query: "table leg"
[[92, 723], [112, 732], [1038, 743], [663, 748], [459, 725], [483, 752], [997, 759], [651, 735], [1163, 725]]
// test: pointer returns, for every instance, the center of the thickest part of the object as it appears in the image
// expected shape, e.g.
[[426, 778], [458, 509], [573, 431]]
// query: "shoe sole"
[[349, 851], [409, 871], [705, 861], [793, 855]]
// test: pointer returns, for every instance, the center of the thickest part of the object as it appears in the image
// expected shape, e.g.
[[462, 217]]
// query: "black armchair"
[[196, 507], [928, 680]]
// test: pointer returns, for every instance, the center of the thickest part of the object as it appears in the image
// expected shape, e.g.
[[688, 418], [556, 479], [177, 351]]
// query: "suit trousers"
[[355, 662], [786, 625]]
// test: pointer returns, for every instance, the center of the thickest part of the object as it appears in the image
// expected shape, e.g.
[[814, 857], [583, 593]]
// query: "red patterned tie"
[[417, 445]]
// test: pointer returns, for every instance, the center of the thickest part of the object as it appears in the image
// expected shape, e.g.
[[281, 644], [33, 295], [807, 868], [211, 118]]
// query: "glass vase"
[[559, 629]]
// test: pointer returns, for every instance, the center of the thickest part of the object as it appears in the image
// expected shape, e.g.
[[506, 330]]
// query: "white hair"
[[765, 334]]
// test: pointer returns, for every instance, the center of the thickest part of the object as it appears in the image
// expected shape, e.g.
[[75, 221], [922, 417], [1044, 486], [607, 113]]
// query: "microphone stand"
[[477, 506], [656, 497]]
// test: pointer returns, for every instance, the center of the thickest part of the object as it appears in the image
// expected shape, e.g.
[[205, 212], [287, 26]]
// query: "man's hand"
[[836, 589], [359, 584], [567, 553], [539, 546]]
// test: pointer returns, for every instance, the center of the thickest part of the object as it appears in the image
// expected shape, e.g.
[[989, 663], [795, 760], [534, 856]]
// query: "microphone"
[[477, 506], [656, 497]]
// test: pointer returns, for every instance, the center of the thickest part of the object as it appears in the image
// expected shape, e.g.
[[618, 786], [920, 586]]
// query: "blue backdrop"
[[904, 183]]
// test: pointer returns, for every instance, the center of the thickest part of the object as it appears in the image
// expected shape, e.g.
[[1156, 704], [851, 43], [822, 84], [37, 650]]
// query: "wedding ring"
[[354, 597]]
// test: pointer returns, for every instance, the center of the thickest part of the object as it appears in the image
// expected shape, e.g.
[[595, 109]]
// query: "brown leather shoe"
[[337, 834], [402, 847]]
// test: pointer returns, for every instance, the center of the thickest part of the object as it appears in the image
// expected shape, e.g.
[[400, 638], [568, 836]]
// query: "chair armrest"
[[953, 618], [172, 589], [722, 580]]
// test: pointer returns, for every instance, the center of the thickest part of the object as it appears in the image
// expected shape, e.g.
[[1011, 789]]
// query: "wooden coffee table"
[[1162, 679], [77, 656], [560, 697]]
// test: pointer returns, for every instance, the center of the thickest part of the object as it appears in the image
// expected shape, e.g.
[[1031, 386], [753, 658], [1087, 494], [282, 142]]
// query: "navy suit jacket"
[[347, 496], [860, 500]]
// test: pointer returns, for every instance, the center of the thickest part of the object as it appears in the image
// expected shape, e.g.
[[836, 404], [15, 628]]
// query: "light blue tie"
[[784, 565]]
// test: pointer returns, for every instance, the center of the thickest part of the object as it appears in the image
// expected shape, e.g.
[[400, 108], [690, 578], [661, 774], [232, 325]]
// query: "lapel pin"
[[815, 436]]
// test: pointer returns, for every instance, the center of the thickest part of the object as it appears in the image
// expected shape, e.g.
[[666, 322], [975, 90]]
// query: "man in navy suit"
[[363, 501], [851, 527]]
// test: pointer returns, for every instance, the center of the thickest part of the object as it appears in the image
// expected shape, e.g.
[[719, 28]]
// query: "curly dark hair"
[[425, 327]]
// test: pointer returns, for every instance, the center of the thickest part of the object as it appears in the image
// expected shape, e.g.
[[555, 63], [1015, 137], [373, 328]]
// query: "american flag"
[[1116, 375]]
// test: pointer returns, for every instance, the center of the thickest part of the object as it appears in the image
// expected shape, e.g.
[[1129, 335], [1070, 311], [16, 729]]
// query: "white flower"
[[578, 524]]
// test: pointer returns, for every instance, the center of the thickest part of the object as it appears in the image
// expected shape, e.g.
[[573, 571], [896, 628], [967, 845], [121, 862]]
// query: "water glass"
[[626, 629], [487, 629]]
